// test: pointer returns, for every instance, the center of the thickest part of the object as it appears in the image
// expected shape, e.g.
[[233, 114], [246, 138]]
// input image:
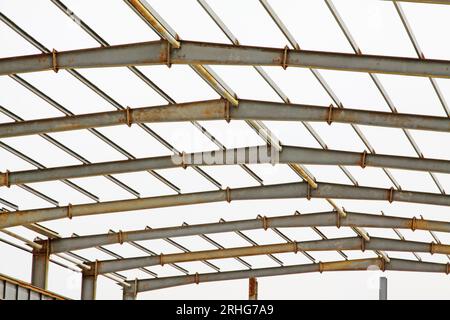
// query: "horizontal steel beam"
[[238, 156], [321, 219], [220, 109], [354, 243], [278, 191], [190, 52], [348, 265]]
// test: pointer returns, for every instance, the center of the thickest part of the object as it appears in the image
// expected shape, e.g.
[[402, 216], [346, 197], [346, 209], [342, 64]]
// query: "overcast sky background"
[[377, 29]]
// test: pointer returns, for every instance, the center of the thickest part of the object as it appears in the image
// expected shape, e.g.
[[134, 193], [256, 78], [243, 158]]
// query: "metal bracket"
[[128, 116], [413, 224], [363, 244], [432, 248], [197, 278], [391, 195], [228, 194], [320, 266], [265, 223], [120, 236], [183, 160], [295, 244], [69, 211], [54, 61], [161, 261], [363, 159], [285, 57], [330, 114]]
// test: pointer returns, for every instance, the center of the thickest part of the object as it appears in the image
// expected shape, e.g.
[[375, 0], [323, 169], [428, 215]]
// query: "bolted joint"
[[54, 61], [40, 263], [265, 222], [183, 160], [382, 265], [120, 237], [414, 224], [93, 269], [4, 179], [284, 63], [45, 248], [330, 114], [363, 159], [130, 292], [338, 220], [228, 194], [196, 278], [128, 116], [432, 248], [69, 211], [390, 196]]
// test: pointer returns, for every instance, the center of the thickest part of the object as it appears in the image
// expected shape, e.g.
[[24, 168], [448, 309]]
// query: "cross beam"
[[277, 191], [348, 265], [197, 53], [220, 110], [321, 219], [353, 243], [237, 156]]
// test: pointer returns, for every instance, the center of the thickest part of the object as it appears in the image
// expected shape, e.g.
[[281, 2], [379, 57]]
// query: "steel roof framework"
[[172, 50]]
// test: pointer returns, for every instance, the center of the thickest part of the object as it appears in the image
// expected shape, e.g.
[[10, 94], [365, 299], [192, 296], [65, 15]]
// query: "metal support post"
[[252, 289], [40, 263], [383, 288]]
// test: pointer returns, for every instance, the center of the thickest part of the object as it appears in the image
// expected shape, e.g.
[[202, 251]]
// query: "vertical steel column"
[[89, 282], [40, 261], [252, 289], [383, 288], [130, 293]]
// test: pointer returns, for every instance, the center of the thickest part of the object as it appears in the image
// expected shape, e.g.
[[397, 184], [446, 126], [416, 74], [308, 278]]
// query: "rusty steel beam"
[[197, 53], [321, 219], [353, 243], [348, 265], [277, 191], [220, 110], [237, 156]]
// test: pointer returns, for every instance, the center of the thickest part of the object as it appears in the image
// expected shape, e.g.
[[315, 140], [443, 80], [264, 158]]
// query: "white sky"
[[376, 28]]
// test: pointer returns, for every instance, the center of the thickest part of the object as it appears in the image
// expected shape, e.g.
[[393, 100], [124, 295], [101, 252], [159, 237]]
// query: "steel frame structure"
[[198, 55]]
